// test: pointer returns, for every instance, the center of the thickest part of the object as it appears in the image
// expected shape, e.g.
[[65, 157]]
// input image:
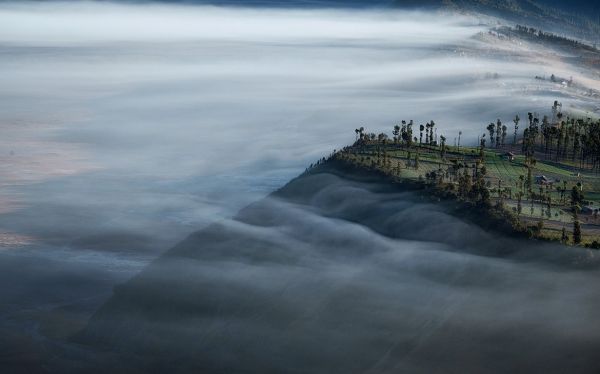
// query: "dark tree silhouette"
[[498, 133], [491, 128], [516, 121], [576, 228], [396, 133], [442, 146]]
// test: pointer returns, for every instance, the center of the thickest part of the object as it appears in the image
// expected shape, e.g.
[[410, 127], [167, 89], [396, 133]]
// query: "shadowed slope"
[[342, 273]]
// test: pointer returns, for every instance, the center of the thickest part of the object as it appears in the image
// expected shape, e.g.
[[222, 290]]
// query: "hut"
[[509, 156]]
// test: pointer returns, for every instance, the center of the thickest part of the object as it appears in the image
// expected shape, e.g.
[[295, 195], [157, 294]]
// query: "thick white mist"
[[123, 128], [144, 123]]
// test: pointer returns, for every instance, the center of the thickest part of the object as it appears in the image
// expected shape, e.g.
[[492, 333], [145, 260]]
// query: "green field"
[[547, 200]]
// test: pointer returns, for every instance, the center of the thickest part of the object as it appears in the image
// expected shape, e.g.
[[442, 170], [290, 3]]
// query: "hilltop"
[[543, 181]]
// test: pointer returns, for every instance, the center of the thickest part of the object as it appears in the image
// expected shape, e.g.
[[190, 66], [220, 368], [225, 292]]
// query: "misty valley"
[[299, 187]]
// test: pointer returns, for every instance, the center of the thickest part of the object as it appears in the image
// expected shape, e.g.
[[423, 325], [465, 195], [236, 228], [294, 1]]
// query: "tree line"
[[559, 138]]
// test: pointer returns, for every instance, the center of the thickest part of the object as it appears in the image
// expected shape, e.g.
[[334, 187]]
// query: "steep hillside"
[[341, 272], [577, 18]]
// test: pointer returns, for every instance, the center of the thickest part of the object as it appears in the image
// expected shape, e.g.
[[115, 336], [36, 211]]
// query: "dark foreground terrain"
[[341, 273]]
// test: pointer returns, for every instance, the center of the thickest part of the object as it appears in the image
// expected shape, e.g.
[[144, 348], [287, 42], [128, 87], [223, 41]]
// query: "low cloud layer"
[[127, 127], [146, 108], [338, 275], [93, 23]]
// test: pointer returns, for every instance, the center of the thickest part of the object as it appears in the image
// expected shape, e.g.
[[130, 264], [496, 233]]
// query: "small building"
[[509, 156], [541, 179]]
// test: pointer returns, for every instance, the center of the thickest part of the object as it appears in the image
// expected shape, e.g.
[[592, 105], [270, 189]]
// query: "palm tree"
[[382, 138], [442, 146], [360, 132], [491, 128], [516, 121], [396, 133], [576, 227], [522, 182], [563, 237], [498, 133]]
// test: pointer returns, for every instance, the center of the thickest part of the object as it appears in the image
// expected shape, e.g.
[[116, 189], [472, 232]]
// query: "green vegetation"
[[545, 183]]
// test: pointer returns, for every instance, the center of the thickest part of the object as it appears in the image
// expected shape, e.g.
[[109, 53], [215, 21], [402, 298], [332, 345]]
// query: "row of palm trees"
[[561, 139], [550, 37], [403, 134], [556, 138]]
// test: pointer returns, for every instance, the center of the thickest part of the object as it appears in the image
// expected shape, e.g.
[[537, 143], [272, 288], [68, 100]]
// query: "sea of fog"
[[340, 273], [124, 128]]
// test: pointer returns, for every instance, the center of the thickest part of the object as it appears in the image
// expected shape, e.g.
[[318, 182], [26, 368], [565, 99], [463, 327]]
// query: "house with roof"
[[509, 156], [541, 179]]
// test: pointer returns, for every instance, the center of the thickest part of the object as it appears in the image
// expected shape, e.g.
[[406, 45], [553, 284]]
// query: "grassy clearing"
[[547, 201]]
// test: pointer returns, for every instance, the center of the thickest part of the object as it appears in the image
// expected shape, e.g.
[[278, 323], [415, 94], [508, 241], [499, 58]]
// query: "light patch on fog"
[[67, 24]]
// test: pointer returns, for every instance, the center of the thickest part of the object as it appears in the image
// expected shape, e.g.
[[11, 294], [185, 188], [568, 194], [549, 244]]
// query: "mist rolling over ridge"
[[127, 127], [340, 273]]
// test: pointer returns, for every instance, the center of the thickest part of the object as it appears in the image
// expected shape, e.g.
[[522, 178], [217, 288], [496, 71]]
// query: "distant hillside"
[[576, 6], [575, 18]]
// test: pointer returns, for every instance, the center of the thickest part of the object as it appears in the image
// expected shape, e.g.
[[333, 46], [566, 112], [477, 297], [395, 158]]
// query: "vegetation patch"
[[542, 182]]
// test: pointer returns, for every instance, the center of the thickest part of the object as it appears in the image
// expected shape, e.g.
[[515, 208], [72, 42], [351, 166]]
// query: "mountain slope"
[[577, 18], [341, 273]]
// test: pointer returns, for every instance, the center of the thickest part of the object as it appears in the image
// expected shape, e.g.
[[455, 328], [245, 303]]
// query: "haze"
[[127, 127]]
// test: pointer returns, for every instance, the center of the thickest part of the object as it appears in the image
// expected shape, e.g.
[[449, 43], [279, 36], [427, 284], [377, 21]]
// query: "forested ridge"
[[541, 174]]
